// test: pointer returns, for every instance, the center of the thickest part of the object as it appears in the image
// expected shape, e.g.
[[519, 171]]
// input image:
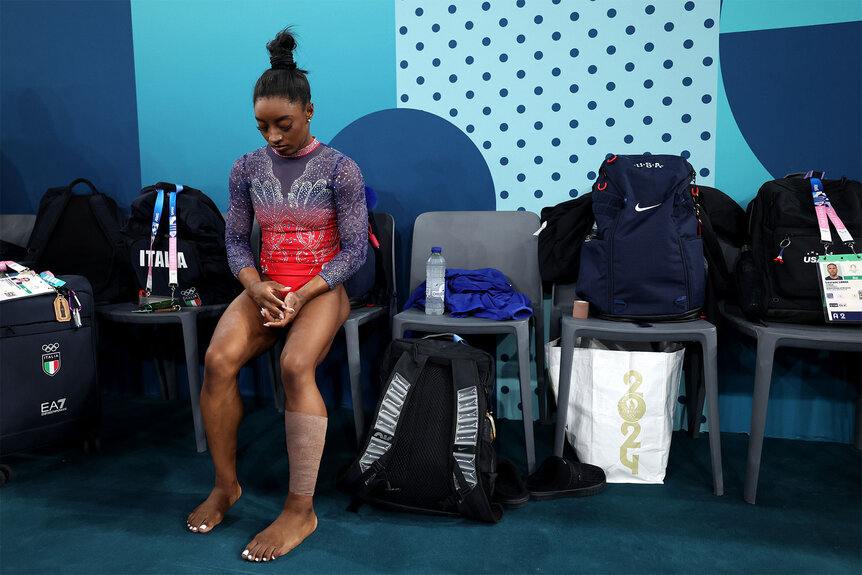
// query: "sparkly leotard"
[[311, 210]]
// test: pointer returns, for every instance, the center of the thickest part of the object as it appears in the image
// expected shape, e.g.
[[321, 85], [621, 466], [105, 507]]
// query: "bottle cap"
[[436, 249]]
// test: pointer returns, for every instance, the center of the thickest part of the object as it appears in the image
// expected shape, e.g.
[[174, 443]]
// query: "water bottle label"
[[435, 290]]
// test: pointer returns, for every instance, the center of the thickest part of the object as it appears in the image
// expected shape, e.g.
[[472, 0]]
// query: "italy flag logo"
[[51, 358]]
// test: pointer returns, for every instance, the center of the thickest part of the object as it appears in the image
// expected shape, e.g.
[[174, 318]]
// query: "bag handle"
[[85, 181]]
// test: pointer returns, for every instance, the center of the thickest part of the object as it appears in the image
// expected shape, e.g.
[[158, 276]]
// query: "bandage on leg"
[[305, 434]]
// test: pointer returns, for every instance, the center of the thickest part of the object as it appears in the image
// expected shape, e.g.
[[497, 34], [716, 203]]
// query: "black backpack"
[[202, 258], [562, 234], [371, 284], [777, 270], [81, 234], [645, 259], [429, 449], [723, 230]]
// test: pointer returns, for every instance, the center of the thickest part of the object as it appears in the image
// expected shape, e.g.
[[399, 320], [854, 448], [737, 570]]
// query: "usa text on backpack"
[[645, 259]]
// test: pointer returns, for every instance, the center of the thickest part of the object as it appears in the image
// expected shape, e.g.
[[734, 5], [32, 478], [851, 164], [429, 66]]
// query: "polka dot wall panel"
[[547, 89]]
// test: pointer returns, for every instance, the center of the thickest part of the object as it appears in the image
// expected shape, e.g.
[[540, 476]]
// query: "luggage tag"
[[61, 309], [67, 306]]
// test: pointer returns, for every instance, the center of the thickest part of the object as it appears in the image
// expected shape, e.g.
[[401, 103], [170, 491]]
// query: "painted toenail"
[[264, 559], [245, 553], [257, 558], [204, 526]]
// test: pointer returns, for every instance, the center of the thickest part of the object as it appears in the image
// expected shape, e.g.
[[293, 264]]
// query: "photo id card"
[[841, 287]]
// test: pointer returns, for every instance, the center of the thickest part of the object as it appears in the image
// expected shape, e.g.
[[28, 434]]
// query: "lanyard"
[[172, 238], [826, 213]]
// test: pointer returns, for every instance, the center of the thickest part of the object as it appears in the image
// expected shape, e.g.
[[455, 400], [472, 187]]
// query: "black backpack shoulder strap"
[[470, 497], [369, 468], [712, 249], [107, 221], [51, 207]]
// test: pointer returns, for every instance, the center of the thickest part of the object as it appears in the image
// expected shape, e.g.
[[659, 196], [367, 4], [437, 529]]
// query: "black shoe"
[[558, 477], [509, 490]]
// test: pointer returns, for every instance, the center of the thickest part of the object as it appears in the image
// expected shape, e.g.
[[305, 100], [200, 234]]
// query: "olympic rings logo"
[[51, 347]]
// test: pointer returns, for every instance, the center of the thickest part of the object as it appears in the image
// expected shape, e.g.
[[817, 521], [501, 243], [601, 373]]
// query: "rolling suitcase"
[[49, 385]]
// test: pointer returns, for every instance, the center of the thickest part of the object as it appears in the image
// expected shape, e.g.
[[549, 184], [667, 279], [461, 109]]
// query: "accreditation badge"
[[841, 287]]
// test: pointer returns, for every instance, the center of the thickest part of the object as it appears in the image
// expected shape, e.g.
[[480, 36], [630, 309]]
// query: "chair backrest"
[[481, 239], [386, 236], [563, 295], [16, 228]]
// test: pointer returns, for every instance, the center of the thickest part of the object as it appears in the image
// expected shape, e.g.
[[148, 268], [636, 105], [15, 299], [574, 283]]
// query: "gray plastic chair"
[[769, 337], [562, 297], [16, 228], [700, 331], [474, 240], [357, 318], [187, 318]]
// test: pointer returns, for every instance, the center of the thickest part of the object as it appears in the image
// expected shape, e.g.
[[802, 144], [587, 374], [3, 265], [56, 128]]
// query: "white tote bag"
[[621, 407]]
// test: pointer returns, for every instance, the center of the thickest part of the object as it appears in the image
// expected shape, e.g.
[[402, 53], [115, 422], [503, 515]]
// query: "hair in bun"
[[284, 79]]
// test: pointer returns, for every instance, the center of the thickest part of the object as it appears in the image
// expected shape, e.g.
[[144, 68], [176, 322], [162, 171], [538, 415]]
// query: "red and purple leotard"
[[311, 210]]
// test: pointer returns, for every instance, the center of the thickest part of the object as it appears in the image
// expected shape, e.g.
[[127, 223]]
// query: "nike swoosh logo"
[[638, 207]]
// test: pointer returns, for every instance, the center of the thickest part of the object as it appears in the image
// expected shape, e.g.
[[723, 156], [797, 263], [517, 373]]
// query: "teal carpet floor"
[[123, 510]]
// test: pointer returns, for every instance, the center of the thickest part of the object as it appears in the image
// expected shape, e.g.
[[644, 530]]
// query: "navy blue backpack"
[[644, 258]]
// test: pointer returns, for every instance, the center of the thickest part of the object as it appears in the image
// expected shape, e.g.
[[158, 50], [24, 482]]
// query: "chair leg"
[[170, 368], [710, 372], [159, 364], [762, 381], [190, 341], [541, 380], [694, 387], [566, 356], [523, 336], [858, 441], [351, 334]]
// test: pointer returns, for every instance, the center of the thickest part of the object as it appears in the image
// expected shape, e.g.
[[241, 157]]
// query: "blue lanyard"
[[172, 237]]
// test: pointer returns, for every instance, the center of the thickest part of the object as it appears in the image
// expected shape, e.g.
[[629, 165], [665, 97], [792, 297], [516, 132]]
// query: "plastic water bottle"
[[435, 282]]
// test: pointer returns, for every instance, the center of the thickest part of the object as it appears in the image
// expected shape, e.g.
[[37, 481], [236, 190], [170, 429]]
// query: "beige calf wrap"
[[306, 434]]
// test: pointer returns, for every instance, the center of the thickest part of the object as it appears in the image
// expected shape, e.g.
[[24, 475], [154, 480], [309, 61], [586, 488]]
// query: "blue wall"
[[68, 106], [498, 104]]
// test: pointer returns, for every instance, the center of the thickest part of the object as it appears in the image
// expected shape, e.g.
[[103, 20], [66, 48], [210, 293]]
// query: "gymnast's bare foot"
[[210, 513], [296, 522]]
